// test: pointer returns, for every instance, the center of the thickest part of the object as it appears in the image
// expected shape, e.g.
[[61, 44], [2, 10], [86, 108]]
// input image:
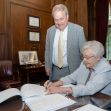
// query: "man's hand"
[[48, 72]]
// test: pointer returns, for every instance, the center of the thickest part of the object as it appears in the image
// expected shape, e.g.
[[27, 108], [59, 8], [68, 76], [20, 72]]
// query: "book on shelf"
[[89, 107], [36, 98]]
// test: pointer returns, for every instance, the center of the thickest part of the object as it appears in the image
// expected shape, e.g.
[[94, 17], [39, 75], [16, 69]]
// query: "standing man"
[[64, 41]]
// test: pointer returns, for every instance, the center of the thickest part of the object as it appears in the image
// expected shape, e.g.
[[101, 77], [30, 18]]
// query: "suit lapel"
[[69, 38], [52, 36]]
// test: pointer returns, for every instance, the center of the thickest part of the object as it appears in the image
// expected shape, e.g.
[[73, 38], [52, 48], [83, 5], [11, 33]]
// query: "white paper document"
[[36, 98], [89, 107], [48, 102], [6, 94], [26, 91], [32, 90]]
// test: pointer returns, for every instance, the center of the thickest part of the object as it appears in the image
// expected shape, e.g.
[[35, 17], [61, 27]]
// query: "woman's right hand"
[[47, 84]]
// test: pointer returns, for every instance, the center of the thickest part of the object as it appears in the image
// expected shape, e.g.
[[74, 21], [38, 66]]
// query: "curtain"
[[101, 20]]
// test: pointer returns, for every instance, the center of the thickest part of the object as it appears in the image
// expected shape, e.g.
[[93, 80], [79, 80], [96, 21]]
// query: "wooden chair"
[[8, 77]]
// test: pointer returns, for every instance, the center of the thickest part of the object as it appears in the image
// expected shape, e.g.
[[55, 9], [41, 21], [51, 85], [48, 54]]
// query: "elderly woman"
[[93, 75]]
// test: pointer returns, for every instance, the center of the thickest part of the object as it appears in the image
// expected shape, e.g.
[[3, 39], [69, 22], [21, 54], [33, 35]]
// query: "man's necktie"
[[60, 62]]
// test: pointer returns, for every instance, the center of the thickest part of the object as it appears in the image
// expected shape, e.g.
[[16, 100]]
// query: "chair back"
[[5, 69]]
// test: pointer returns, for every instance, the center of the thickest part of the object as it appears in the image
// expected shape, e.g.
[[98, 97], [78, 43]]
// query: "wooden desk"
[[98, 99], [15, 104], [36, 72]]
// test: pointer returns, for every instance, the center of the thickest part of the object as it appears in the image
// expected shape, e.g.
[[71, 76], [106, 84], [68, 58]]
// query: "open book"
[[26, 91], [36, 98]]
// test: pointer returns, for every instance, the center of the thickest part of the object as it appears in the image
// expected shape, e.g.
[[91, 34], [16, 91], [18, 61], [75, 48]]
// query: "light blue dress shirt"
[[100, 79]]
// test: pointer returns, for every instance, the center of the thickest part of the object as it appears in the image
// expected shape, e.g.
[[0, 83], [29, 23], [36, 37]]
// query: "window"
[[108, 41]]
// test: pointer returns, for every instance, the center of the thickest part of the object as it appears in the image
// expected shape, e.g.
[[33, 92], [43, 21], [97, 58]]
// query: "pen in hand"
[[47, 84]]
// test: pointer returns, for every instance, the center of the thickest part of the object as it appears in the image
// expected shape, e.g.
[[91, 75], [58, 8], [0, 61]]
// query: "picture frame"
[[34, 36], [28, 57], [34, 21]]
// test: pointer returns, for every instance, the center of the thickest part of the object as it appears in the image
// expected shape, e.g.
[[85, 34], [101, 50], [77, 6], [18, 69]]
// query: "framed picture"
[[34, 21], [27, 57], [34, 36]]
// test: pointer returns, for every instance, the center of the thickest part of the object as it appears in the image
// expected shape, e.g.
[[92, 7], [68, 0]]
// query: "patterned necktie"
[[60, 61]]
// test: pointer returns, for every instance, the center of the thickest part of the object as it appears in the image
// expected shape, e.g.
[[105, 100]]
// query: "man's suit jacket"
[[75, 40]]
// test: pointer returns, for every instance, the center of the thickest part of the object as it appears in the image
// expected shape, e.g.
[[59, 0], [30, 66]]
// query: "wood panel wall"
[[5, 50], [14, 27], [20, 11], [14, 24]]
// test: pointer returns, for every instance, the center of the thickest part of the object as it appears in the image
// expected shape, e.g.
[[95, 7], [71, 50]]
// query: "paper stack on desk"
[[26, 91], [36, 98], [51, 102], [32, 90], [89, 107]]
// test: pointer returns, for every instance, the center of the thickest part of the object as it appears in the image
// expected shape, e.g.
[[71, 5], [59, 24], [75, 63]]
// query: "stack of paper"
[[8, 93], [48, 102], [32, 90], [36, 98]]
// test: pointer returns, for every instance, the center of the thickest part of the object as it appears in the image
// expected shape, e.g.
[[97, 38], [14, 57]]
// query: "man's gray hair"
[[60, 7], [95, 46]]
